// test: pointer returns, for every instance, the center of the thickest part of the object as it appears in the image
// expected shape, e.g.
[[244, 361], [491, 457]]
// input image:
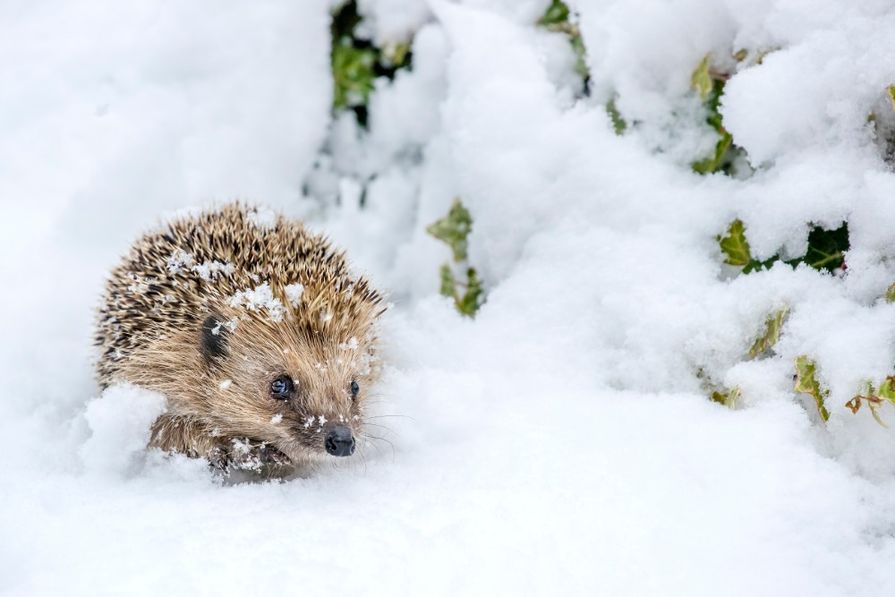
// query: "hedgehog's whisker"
[[388, 429], [391, 415], [382, 439]]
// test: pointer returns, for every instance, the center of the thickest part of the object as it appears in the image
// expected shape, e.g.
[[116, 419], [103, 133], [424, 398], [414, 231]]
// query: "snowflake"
[[293, 293], [178, 261], [212, 270], [261, 297]]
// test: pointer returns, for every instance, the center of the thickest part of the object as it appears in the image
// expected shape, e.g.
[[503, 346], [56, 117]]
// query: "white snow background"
[[560, 442]]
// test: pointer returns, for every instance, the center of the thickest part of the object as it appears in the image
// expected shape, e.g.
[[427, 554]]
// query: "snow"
[[119, 423], [293, 293], [561, 441], [212, 270], [260, 297]]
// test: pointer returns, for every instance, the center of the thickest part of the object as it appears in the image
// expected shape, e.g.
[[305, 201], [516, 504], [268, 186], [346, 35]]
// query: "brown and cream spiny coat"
[[215, 310]]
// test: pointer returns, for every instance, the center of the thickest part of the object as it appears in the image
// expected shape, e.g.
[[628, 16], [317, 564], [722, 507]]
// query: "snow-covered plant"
[[882, 119], [826, 249], [453, 230], [773, 326], [708, 83], [357, 62], [874, 398], [728, 398], [807, 383], [558, 18]]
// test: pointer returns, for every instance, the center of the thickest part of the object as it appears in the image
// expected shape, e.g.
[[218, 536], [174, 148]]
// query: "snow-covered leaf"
[[771, 334], [807, 383]]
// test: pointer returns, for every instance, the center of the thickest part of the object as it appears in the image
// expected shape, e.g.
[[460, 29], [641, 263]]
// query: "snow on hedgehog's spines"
[[186, 292]]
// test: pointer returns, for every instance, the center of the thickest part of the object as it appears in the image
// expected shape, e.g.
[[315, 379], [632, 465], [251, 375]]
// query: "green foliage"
[[826, 249], [709, 86], [874, 398], [353, 74], [356, 63], [717, 392], [557, 18], [728, 398], [701, 79], [473, 296], [719, 158], [890, 293], [735, 246], [807, 383], [618, 123], [454, 230], [557, 14], [395, 55], [771, 335], [448, 286]]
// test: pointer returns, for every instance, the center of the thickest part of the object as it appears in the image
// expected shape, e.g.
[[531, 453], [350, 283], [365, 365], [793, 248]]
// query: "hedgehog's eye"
[[355, 388], [282, 387]]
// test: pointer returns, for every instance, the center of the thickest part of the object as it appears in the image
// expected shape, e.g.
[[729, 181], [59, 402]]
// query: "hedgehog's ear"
[[214, 338]]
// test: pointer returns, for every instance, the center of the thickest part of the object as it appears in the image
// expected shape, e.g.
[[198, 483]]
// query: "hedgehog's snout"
[[339, 441]]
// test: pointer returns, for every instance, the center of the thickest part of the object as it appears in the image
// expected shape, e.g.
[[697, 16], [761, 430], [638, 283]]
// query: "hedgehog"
[[254, 329]]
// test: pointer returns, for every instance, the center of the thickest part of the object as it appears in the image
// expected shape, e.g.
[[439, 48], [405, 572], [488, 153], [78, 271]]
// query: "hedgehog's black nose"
[[339, 441]]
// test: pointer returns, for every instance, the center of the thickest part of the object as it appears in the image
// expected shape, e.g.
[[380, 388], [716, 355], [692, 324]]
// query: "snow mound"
[[119, 423]]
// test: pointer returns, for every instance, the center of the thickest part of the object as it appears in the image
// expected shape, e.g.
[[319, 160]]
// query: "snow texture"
[[560, 442], [119, 422], [258, 298]]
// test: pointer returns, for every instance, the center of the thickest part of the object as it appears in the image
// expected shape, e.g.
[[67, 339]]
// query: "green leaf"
[[728, 399], [448, 286], [556, 13], [806, 383], [356, 62], [890, 293], [735, 246], [472, 299], [771, 334], [887, 389], [890, 91], [717, 160], [826, 248], [710, 89], [618, 123], [395, 55], [353, 74], [453, 229], [557, 19], [701, 79], [580, 54]]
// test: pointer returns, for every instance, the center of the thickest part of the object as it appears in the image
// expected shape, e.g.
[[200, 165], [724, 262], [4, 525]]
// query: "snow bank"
[[562, 441], [119, 422]]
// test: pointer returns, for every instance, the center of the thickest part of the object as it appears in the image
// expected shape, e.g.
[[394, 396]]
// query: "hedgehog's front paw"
[[244, 454]]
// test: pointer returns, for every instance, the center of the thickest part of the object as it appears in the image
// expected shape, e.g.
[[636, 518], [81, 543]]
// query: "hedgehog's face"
[[298, 392]]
